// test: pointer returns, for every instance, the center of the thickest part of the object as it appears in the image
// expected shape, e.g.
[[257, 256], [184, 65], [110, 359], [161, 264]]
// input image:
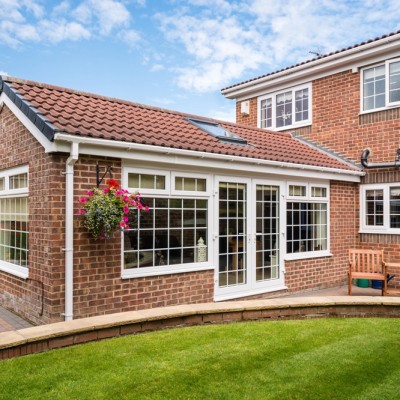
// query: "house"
[[235, 211], [348, 102]]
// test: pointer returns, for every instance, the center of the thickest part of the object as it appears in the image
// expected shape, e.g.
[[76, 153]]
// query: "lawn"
[[309, 359]]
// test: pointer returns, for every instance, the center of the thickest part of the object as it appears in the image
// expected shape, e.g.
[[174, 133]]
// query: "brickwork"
[[32, 298], [98, 287], [338, 125]]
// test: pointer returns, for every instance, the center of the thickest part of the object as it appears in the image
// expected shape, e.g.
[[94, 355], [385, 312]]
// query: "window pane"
[[1, 183], [307, 228], [266, 113], [374, 88], [301, 105], [169, 234], [394, 82], [19, 181], [190, 184], [318, 191], [374, 207], [297, 190], [144, 181], [14, 230], [284, 109], [395, 207]]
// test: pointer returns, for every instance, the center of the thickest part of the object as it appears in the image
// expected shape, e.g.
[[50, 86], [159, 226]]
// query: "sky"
[[177, 54]]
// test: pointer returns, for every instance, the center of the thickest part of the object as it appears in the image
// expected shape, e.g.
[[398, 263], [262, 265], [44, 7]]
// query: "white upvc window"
[[174, 235], [380, 86], [380, 208], [307, 220], [14, 219], [285, 109]]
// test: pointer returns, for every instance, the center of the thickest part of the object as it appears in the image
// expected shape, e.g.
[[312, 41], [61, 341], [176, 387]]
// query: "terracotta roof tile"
[[90, 115]]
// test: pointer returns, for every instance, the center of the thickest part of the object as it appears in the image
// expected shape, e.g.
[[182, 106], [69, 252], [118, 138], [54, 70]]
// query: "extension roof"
[[56, 110]]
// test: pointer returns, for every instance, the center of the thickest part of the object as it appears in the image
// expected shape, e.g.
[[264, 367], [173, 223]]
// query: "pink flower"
[[90, 193], [126, 209], [125, 219], [147, 208], [80, 212], [83, 200]]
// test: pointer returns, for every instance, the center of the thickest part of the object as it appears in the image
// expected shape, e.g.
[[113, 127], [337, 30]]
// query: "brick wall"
[[338, 126], [32, 298], [98, 287]]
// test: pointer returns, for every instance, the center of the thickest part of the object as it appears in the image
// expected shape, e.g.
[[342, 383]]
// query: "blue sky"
[[177, 54]]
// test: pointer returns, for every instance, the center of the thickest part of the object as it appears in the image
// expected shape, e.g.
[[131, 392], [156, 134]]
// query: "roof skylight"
[[217, 131]]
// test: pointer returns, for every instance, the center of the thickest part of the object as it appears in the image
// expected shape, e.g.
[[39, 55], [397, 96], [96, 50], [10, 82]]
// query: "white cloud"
[[225, 115], [226, 41], [110, 14], [3, 73], [130, 37], [221, 49], [58, 31], [157, 68], [26, 21]]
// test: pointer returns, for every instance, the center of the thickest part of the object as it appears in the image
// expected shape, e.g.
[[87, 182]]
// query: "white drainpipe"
[[69, 231]]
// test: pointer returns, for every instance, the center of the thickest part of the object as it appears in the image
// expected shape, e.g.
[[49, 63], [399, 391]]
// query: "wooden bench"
[[367, 264]]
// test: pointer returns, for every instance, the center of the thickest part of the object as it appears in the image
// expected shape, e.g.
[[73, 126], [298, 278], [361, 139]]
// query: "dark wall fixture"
[[366, 164]]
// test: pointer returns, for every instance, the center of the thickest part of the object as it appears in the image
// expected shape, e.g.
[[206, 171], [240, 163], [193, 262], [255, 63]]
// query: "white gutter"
[[69, 231], [126, 147]]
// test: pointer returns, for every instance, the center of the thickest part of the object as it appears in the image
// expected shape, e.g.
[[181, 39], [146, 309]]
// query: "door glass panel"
[[267, 232], [232, 234]]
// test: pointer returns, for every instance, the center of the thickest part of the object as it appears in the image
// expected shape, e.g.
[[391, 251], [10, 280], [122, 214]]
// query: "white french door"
[[249, 227]]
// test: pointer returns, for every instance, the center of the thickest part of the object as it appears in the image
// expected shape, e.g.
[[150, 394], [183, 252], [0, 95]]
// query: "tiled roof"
[[314, 59], [54, 109]]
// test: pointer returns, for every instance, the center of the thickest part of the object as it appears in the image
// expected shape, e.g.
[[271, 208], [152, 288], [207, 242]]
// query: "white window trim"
[[273, 96], [385, 228], [170, 193], [13, 269], [145, 171], [388, 105], [304, 199], [183, 193]]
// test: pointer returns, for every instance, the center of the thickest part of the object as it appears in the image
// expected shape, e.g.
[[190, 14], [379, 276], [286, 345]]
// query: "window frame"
[[170, 193], [381, 229], [308, 198], [7, 193], [273, 96], [388, 104]]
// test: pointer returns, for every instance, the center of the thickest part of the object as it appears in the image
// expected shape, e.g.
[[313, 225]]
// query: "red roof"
[[314, 59], [55, 109]]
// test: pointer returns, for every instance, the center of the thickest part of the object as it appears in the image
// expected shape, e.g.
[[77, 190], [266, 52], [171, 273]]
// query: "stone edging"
[[61, 334]]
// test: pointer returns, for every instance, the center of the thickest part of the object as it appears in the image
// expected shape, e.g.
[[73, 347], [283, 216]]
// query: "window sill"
[[165, 270], [303, 256], [237, 295], [376, 110], [285, 128], [13, 269], [380, 232]]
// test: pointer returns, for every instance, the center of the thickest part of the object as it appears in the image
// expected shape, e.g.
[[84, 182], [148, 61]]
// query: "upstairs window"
[[286, 109], [381, 86]]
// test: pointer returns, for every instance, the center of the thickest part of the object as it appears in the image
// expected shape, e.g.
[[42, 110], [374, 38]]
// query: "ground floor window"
[[306, 218], [173, 231], [173, 235], [14, 218], [380, 208]]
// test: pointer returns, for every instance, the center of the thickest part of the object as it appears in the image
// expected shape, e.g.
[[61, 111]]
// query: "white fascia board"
[[329, 65], [29, 125], [185, 158]]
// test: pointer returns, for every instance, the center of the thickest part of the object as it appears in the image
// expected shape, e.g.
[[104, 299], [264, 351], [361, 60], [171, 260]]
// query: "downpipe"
[[366, 164], [69, 231]]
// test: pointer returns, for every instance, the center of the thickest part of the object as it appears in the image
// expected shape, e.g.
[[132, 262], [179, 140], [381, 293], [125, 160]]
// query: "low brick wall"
[[52, 336]]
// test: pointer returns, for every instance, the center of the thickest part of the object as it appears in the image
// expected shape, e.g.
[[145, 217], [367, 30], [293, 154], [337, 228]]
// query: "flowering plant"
[[105, 211]]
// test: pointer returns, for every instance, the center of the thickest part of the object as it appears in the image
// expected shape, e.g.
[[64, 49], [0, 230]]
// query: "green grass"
[[309, 359]]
